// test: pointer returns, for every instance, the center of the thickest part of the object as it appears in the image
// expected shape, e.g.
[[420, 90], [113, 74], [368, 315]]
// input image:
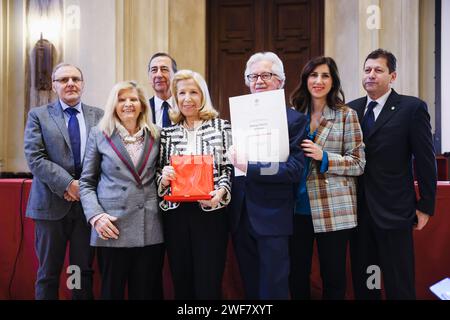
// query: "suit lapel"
[[125, 157], [152, 106], [148, 145], [119, 148], [389, 109], [325, 125], [89, 118], [56, 113], [360, 109], [122, 153]]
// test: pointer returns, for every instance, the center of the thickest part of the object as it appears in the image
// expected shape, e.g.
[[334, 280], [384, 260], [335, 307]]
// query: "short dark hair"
[[389, 56], [301, 97], [163, 54]]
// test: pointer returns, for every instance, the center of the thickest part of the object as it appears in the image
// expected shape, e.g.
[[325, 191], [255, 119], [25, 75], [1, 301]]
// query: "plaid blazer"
[[333, 194], [213, 138]]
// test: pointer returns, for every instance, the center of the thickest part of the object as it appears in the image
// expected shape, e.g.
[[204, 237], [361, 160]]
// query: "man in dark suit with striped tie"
[[161, 69], [396, 130], [54, 143]]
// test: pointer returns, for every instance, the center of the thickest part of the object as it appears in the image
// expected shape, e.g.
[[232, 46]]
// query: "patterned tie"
[[368, 119], [165, 119], [75, 140]]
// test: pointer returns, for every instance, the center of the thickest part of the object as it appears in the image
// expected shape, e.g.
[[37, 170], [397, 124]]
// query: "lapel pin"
[[393, 108]]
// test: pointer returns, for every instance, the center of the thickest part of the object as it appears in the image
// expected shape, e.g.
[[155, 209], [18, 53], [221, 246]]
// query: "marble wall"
[[187, 41], [353, 28], [12, 93], [145, 27]]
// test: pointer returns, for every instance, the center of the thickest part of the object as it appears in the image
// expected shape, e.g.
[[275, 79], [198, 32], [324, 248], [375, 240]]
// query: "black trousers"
[[332, 250], [139, 268], [196, 243], [390, 250], [51, 238]]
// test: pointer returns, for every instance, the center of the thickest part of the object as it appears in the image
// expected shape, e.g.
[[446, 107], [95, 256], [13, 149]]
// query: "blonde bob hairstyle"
[[207, 111], [107, 124]]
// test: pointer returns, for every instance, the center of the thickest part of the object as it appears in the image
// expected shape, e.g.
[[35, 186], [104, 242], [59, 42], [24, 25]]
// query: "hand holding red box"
[[193, 178]]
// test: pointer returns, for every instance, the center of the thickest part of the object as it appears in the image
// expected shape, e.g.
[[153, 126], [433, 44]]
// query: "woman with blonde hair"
[[196, 233], [119, 198]]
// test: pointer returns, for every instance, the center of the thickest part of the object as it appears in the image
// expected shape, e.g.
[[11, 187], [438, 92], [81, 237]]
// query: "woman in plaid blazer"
[[195, 233], [326, 197]]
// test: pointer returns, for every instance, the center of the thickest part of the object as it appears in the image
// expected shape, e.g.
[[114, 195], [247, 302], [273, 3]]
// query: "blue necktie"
[[165, 118], [75, 140], [368, 119]]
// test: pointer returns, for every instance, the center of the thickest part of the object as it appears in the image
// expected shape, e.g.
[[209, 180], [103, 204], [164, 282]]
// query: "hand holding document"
[[240, 167], [260, 132]]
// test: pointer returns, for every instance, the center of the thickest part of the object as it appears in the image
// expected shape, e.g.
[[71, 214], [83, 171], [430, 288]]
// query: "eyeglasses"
[[252, 77], [65, 80]]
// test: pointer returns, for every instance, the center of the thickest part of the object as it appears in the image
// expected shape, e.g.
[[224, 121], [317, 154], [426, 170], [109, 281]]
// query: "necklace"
[[185, 125], [132, 139]]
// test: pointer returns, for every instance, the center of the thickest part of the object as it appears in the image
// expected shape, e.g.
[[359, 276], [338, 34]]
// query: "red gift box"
[[193, 178]]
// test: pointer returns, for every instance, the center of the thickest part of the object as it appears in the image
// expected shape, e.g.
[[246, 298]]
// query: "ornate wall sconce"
[[43, 56], [44, 48]]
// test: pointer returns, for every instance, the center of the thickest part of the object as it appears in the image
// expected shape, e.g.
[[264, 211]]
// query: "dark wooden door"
[[236, 29]]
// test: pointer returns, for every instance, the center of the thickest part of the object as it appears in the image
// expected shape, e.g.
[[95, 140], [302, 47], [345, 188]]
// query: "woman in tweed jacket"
[[326, 197], [196, 233]]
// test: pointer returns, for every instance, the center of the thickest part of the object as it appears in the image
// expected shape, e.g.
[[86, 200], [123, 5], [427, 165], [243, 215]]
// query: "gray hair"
[[65, 64], [277, 65]]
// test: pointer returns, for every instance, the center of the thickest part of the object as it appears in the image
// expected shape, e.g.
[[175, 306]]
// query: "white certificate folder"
[[259, 122], [442, 289]]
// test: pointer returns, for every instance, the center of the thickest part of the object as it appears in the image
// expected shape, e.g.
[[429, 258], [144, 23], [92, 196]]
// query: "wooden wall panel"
[[238, 28]]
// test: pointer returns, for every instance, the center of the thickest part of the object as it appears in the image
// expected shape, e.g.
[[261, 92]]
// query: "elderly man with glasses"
[[262, 206]]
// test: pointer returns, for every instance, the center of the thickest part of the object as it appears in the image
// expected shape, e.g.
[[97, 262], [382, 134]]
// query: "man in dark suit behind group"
[[54, 144], [161, 69], [396, 131]]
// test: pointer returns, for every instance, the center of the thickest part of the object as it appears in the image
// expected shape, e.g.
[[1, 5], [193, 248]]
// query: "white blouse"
[[191, 147], [134, 144]]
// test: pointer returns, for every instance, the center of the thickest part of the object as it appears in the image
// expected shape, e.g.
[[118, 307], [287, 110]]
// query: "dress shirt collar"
[[381, 100], [159, 102], [65, 106]]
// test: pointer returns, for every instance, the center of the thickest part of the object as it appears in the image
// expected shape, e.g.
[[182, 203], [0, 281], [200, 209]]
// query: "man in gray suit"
[[54, 144]]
